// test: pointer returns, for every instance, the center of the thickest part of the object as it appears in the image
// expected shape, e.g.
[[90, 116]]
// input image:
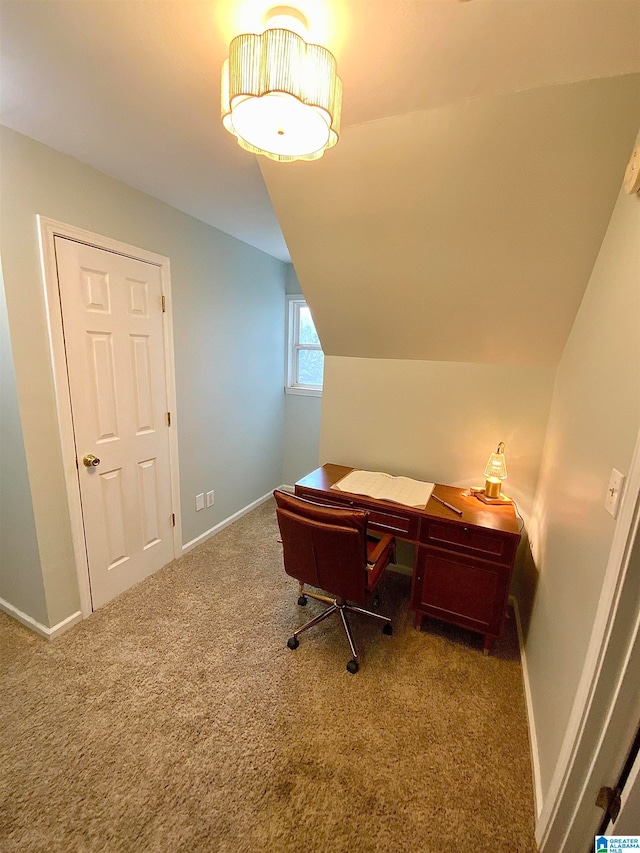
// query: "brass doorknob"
[[90, 461]]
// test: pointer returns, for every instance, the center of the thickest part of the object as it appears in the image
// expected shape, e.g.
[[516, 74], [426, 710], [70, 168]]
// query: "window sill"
[[303, 392]]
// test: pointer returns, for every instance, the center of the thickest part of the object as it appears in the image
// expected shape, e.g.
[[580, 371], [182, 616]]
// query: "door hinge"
[[168, 418], [173, 519], [164, 304], [609, 800]]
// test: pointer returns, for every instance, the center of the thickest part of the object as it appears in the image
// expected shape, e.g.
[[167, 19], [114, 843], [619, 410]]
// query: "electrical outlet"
[[210, 498], [199, 501], [614, 492]]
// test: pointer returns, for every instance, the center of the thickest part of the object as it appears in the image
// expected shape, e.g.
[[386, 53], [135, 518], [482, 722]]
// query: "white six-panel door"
[[113, 337]]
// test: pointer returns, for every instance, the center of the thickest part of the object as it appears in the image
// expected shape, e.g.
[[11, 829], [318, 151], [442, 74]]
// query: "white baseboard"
[[37, 627], [533, 740], [61, 627], [189, 546]]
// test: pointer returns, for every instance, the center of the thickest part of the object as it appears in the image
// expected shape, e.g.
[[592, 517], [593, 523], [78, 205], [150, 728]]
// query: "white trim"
[[37, 627], [533, 738], [303, 390], [563, 808], [172, 403], [294, 302], [48, 229], [189, 546]]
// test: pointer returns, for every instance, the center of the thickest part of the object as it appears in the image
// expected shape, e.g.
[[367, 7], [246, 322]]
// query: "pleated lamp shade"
[[281, 97]]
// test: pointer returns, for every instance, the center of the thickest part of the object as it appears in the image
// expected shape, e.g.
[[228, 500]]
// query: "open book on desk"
[[385, 487]]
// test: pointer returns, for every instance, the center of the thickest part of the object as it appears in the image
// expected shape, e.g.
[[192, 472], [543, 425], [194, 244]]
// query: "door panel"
[[102, 386], [113, 334]]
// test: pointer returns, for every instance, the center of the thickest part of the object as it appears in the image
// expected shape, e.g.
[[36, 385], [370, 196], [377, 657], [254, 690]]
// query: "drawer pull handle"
[[465, 530]]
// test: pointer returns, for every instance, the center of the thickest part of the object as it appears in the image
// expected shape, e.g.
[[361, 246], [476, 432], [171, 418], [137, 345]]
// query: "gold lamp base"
[[491, 494], [492, 487], [501, 499]]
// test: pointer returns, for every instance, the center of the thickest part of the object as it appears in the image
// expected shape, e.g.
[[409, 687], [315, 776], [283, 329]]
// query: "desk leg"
[[488, 642], [418, 620]]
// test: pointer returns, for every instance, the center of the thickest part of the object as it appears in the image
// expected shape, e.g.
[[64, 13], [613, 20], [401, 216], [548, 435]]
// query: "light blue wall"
[[292, 285], [302, 415], [20, 576], [228, 310], [301, 436], [229, 341]]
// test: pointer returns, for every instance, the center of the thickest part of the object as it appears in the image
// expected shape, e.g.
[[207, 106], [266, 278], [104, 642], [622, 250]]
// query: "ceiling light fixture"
[[281, 96]]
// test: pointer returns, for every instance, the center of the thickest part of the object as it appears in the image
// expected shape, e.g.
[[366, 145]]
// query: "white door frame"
[[604, 714], [48, 229]]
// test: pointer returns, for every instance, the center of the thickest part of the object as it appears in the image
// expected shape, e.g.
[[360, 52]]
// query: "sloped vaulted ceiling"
[[460, 233], [483, 147]]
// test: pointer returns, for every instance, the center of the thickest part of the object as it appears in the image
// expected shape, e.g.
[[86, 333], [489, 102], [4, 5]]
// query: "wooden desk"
[[463, 564]]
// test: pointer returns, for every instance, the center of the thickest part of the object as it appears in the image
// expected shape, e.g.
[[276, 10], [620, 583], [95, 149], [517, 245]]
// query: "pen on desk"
[[448, 506]]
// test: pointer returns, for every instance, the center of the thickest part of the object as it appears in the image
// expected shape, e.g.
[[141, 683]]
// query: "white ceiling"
[[436, 94]]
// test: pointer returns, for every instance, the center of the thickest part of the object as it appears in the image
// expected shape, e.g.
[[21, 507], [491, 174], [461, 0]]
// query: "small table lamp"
[[495, 472]]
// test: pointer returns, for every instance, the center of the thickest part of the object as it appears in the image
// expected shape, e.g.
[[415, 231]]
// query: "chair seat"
[[329, 548]]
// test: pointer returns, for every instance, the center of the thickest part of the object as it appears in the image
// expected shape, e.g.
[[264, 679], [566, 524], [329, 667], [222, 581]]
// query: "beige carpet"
[[175, 719]]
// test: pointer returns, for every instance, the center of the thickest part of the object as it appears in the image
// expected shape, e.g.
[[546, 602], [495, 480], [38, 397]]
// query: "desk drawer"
[[404, 526], [470, 540], [398, 523], [325, 500]]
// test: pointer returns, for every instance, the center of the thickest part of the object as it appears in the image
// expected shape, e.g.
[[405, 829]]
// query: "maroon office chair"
[[329, 549]]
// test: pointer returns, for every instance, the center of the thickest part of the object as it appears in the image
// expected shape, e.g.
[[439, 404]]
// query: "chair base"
[[337, 605]]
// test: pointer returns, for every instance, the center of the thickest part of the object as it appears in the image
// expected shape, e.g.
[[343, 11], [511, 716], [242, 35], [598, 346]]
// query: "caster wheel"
[[352, 667], [293, 643], [388, 630], [302, 601]]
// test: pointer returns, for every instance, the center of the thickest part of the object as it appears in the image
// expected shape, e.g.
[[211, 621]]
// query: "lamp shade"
[[495, 472], [281, 97], [496, 467]]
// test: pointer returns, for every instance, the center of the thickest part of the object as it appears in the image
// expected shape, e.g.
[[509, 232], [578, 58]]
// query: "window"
[[305, 359]]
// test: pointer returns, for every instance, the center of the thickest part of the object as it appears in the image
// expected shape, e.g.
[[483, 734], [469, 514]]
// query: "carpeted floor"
[[176, 719]]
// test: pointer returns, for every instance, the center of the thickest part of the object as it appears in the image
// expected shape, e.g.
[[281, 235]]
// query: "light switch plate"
[[210, 498], [199, 501], [614, 492]]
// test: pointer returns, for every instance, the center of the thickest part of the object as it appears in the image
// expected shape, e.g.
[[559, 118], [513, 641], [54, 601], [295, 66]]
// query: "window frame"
[[295, 303]]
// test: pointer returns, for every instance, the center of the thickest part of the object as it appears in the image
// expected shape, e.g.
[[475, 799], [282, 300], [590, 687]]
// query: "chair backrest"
[[324, 547]]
